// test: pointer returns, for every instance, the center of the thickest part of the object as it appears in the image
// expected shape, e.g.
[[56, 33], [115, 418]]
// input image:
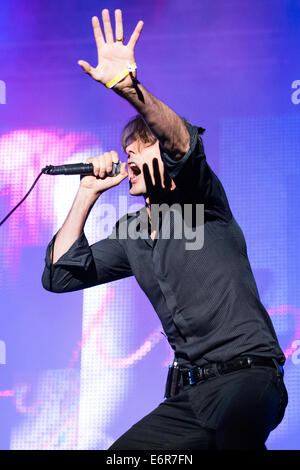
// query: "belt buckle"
[[191, 378]]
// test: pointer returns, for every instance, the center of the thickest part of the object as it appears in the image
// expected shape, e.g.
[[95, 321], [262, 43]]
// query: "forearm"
[[163, 122], [74, 223]]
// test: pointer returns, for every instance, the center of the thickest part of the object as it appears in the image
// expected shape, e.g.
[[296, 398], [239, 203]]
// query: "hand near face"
[[160, 187]]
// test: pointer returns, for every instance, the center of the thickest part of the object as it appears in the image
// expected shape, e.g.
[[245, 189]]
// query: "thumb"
[[86, 67], [123, 173], [123, 170]]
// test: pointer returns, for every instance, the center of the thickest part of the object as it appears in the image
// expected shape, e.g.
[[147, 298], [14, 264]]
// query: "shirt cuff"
[[173, 165], [79, 254]]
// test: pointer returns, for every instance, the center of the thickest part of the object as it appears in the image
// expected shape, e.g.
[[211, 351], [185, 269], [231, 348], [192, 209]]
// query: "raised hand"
[[113, 55]]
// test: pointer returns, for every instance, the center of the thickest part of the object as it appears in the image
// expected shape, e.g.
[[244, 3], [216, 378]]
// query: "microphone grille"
[[116, 168]]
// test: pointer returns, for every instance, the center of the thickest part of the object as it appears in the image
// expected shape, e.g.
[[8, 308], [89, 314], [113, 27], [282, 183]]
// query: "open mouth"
[[134, 172]]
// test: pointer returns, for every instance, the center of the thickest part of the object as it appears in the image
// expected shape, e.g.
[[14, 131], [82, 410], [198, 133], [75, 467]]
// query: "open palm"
[[113, 55]]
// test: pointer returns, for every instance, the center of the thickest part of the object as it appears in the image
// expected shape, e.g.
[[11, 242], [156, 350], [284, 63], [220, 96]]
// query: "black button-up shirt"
[[206, 299]]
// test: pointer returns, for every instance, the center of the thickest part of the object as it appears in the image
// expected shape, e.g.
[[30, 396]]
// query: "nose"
[[132, 148]]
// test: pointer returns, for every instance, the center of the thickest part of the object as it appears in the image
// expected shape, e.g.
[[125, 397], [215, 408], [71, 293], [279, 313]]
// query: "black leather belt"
[[179, 377]]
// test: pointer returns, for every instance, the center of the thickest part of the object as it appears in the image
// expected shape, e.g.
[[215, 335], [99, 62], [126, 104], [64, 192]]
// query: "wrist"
[[127, 87], [125, 77], [86, 197]]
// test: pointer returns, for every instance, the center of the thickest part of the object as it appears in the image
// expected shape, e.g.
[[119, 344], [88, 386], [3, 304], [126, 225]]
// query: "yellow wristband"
[[123, 74]]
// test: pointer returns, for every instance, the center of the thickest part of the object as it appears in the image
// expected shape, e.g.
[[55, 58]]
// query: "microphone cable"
[[71, 169], [23, 199]]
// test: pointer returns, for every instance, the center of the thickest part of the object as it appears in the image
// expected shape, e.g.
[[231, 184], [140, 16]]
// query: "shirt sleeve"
[[85, 266], [193, 175]]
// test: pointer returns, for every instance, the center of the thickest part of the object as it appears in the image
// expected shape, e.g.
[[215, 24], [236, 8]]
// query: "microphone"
[[78, 169]]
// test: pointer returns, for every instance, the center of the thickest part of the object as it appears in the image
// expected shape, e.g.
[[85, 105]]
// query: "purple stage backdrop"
[[78, 369]]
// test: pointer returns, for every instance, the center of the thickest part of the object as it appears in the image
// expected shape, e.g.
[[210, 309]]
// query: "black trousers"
[[236, 411]]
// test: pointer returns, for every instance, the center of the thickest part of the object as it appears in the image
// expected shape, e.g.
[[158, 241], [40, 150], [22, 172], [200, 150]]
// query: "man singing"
[[225, 389]]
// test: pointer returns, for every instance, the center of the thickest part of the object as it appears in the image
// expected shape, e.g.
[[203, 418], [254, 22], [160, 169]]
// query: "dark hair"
[[137, 129]]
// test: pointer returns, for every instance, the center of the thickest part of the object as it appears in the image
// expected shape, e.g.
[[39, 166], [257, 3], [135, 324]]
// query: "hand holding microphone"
[[107, 171], [97, 175], [103, 167]]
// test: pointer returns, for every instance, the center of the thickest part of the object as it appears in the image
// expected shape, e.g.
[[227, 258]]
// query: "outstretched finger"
[[119, 25], [135, 35], [107, 27], [148, 180], [86, 67], [97, 33], [167, 180], [157, 177]]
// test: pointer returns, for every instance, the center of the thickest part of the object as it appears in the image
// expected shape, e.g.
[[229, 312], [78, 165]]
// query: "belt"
[[179, 377]]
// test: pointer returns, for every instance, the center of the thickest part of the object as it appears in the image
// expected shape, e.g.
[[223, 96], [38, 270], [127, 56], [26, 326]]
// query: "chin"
[[135, 190]]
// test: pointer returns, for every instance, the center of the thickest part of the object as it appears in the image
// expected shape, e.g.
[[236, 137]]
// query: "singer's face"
[[139, 154]]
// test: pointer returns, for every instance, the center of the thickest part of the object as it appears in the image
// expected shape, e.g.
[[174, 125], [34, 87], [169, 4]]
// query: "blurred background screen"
[[78, 369]]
